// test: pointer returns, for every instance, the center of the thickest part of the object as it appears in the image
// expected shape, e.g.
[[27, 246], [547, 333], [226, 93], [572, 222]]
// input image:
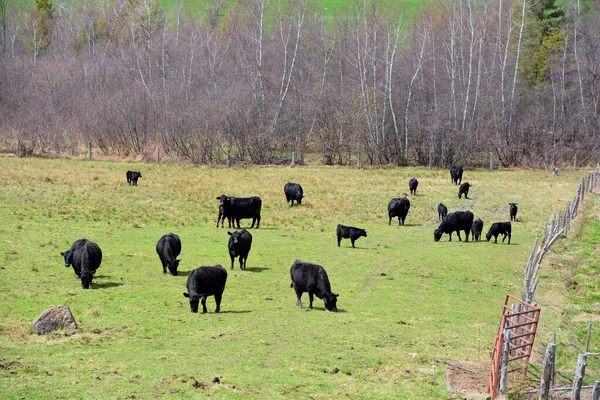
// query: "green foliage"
[[404, 299], [45, 14], [543, 42]]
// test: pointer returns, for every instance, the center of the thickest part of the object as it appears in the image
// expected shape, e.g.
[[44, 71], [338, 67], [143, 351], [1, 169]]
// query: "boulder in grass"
[[54, 318]]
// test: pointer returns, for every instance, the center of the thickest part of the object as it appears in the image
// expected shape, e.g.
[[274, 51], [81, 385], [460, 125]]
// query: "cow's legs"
[[298, 296], [458, 234], [450, 234], [467, 234], [232, 259], [352, 240], [509, 238], [390, 223], [257, 221], [204, 304], [218, 301], [242, 263], [310, 298], [339, 239]]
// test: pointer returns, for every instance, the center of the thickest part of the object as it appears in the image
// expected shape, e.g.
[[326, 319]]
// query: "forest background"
[[403, 83]]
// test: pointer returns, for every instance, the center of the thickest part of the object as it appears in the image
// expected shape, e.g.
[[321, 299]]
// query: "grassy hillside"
[[404, 299]]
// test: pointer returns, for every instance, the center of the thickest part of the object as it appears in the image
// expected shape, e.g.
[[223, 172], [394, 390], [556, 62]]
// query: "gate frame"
[[520, 325]]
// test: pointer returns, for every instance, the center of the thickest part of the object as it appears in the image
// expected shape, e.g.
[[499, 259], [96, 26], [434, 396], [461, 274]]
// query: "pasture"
[[404, 300]]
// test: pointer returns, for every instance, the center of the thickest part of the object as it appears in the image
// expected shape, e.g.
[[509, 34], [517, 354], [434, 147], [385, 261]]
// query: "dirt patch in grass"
[[467, 384]]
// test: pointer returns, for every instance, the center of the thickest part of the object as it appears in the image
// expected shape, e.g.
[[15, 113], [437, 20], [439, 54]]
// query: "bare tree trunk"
[[575, 54]]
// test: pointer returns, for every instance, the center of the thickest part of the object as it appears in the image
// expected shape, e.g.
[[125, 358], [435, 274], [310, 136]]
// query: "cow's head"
[[488, 235], [194, 300], [363, 233], [330, 300], [222, 200], [68, 255], [437, 235], [86, 279], [173, 267], [512, 205], [139, 174]]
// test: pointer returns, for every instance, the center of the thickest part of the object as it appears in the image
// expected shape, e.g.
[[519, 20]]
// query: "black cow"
[[442, 211], [86, 257], [476, 229], [132, 177], [398, 207], [456, 173], [464, 189], [412, 186], [236, 208], [456, 221], [513, 211], [221, 216], [312, 278], [349, 232], [239, 244], [293, 191], [203, 282], [499, 228], [168, 248]]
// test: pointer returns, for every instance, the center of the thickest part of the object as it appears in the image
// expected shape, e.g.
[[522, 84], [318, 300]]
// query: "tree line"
[[260, 79]]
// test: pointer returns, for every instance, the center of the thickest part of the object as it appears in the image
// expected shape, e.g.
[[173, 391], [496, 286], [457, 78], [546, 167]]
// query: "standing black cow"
[[456, 173], [203, 282], [239, 244], [349, 232], [442, 211], [168, 248], [513, 211], [499, 228], [476, 229], [221, 216], [236, 208], [132, 177], [293, 191], [86, 257], [456, 221], [312, 278], [464, 189], [412, 185], [398, 207]]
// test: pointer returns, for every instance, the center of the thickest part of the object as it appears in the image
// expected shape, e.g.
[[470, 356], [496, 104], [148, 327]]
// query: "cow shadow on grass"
[[106, 285], [256, 269], [181, 273], [233, 312]]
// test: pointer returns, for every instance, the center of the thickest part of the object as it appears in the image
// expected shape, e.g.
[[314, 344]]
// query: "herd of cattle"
[[85, 256]]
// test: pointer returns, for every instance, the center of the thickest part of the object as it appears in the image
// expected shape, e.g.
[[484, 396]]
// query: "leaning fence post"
[[547, 372], [90, 150], [18, 151], [491, 160], [579, 374], [228, 158], [158, 155], [358, 160], [596, 391], [293, 158], [504, 363], [575, 161]]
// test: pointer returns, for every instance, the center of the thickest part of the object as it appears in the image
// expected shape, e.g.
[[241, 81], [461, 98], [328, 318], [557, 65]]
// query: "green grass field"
[[404, 300]]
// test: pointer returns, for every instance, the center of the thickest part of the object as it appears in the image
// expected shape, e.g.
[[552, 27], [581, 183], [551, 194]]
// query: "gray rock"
[[54, 318]]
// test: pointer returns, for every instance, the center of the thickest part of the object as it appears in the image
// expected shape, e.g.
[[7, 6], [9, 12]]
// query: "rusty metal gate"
[[514, 342]]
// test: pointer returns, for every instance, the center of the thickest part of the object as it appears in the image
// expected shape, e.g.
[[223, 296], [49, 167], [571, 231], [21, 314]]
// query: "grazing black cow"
[[293, 191], [499, 228], [464, 189], [513, 211], [456, 221], [412, 186], [456, 173], [236, 208], [398, 207], [168, 248], [442, 211], [86, 257], [349, 232], [476, 229], [132, 177], [312, 278], [203, 282], [239, 244]]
